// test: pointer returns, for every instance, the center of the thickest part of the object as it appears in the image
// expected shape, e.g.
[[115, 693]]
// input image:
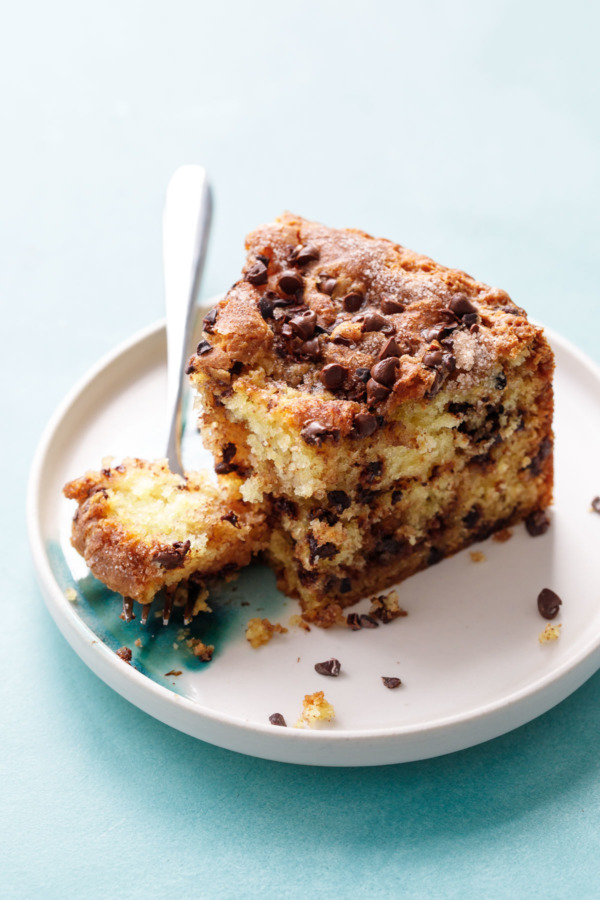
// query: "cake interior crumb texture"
[[369, 411]]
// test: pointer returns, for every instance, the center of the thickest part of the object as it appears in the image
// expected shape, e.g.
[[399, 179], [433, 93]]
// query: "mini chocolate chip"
[[277, 719], [339, 499], [290, 282], [391, 683], [363, 374], [345, 585], [461, 306], [326, 284], [315, 433], [365, 424], [548, 603], [353, 621], [368, 621], [303, 254], [435, 333], [390, 349], [330, 667], [375, 322], [391, 306], [228, 452], [231, 518], [500, 381], [384, 372], [396, 496], [376, 392], [448, 362], [471, 319], [333, 376], [596, 504], [321, 551], [435, 556], [537, 523], [190, 369], [203, 348], [433, 359], [266, 305], [209, 320], [353, 301], [172, 557], [125, 654], [304, 324], [343, 341], [544, 450], [257, 274], [311, 349]]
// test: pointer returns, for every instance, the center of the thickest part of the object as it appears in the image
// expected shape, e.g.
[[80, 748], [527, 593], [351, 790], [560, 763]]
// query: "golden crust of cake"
[[141, 528], [352, 326]]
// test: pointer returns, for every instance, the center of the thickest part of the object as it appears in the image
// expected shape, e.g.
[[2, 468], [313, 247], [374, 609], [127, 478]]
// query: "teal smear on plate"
[[100, 609]]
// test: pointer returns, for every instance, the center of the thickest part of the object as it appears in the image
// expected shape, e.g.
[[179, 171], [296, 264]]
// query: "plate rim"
[[134, 685]]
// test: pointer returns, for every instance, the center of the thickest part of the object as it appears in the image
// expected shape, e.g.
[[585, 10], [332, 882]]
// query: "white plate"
[[468, 652]]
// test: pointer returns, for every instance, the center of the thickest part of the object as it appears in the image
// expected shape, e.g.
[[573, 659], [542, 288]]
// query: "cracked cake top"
[[360, 322]]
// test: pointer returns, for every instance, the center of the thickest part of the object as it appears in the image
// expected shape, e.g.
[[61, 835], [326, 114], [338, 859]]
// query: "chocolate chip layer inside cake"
[[390, 410], [142, 529]]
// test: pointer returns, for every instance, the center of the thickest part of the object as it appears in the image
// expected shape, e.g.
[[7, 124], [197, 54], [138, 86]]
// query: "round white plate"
[[467, 653]]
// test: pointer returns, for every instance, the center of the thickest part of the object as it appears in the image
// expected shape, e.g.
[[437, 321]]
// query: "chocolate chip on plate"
[[333, 376], [353, 621], [537, 523], [330, 667], [548, 603], [368, 621], [391, 683], [596, 504], [277, 719]]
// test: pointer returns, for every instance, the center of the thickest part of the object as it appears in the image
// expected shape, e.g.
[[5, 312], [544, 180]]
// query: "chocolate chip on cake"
[[376, 392], [303, 254], [304, 324], [363, 374], [209, 320], [257, 274], [310, 349], [326, 284], [537, 523], [172, 557], [433, 359], [390, 349], [277, 719], [390, 306], [461, 306], [333, 376], [353, 301], [331, 667], [290, 282], [203, 348], [340, 500], [384, 372], [365, 424], [315, 433], [548, 603], [391, 683], [373, 321]]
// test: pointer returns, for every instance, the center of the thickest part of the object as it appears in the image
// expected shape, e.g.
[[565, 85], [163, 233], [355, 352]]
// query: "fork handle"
[[186, 224]]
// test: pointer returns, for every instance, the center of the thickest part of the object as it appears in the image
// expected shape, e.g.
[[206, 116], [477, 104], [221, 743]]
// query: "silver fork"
[[186, 224]]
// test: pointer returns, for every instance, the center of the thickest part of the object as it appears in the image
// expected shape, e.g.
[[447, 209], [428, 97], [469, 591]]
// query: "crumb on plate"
[[550, 633], [315, 709], [260, 631]]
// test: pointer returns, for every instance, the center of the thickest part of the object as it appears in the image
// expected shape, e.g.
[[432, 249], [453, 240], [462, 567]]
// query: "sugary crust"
[[136, 542], [447, 327]]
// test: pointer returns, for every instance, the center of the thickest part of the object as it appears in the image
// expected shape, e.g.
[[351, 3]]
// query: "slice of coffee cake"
[[391, 411], [142, 529]]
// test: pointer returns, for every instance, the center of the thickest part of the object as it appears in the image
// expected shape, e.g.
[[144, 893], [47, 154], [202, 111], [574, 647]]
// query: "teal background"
[[469, 131]]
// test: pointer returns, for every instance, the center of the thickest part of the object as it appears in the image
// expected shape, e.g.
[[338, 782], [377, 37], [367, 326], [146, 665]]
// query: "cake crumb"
[[138, 642], [477, 556], [550, 633], [298, 622], [315, 709], [260, 631], [125, 654], [385, 607], [175, 646], [173, 672], [71, 595], [203, 652], [501, 537]]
